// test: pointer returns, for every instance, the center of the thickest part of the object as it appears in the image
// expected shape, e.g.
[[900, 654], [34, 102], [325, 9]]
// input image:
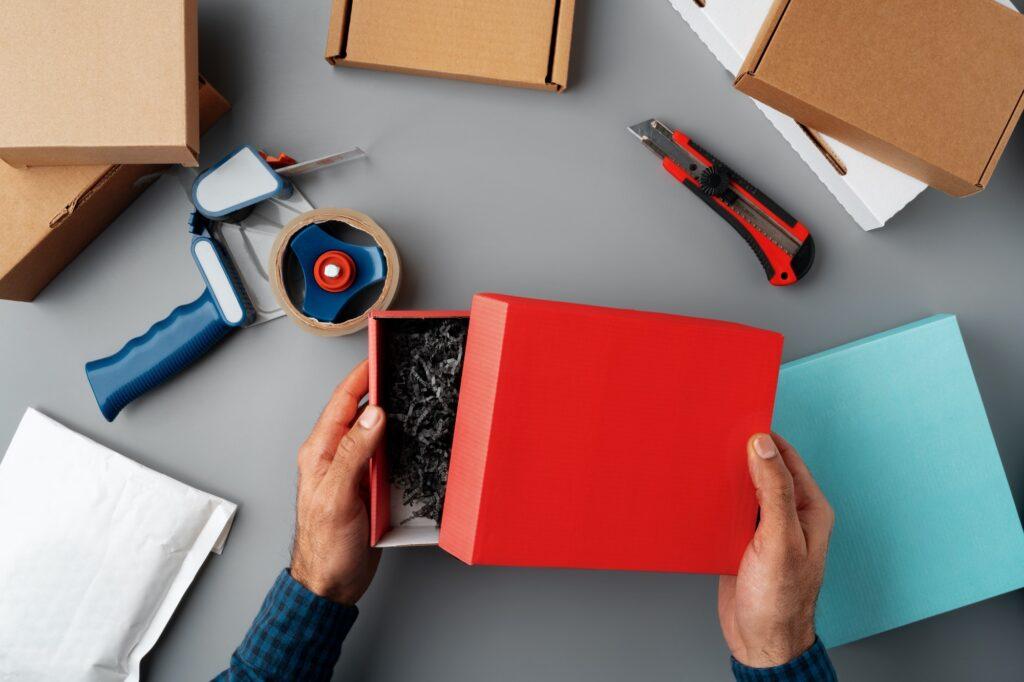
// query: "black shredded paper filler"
[[421, 368]]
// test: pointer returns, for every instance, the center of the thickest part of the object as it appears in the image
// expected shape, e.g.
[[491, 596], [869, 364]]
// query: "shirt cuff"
[[296, 634], [812, 665]]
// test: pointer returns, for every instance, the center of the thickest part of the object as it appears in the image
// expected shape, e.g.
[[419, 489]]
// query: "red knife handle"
[[781, 268]]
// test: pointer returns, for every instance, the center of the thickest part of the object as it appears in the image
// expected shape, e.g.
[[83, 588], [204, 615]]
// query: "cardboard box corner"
[[70, 206], [129, 108]]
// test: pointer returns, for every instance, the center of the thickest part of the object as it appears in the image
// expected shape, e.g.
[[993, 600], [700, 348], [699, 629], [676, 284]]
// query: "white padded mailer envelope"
[[96, 551]]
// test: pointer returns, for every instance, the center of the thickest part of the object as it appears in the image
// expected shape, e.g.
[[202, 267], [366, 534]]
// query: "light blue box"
[[894, 431]]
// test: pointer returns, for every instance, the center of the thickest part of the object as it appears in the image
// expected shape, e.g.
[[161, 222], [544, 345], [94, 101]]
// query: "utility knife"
[[782, 244]]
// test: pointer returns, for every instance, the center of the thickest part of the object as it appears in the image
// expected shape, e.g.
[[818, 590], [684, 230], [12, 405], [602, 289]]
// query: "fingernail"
[[764, 446], [370, 416]]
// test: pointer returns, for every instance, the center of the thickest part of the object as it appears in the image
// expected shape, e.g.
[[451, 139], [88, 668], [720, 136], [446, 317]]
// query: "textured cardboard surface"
[[902, 81], [53, 212], [521, 42], [894, 430], [600, 438], [102, 82], [870, 191]]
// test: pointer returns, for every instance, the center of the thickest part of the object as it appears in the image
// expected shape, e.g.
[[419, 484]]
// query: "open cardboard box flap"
[[595, 438]]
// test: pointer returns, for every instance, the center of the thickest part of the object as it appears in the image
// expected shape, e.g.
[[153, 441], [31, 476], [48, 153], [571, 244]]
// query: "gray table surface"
[[490, 188]]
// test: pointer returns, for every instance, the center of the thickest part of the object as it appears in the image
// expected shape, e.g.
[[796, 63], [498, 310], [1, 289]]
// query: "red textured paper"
[[599, 438]]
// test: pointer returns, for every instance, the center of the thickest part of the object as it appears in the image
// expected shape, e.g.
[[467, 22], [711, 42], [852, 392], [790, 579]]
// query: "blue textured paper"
[[894, 431]]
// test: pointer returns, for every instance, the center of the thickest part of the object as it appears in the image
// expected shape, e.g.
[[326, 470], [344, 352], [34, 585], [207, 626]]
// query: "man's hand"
[[332, 555], [767, 611]]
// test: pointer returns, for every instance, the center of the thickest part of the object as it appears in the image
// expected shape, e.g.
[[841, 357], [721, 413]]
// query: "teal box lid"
[[894, 430]]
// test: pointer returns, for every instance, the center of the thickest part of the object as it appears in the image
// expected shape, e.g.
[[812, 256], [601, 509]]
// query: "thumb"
[[774, 486], [355, 448]]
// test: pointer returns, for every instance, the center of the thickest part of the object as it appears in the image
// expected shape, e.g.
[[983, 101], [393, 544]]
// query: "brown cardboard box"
[[931, 88], [523, 43], [99, 82], [52, 212]]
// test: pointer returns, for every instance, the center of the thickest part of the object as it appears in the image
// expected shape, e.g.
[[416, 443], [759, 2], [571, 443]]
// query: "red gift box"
[[591, 437]]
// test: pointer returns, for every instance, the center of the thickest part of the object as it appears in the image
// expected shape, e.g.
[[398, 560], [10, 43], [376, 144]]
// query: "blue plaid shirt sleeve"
[[812, 665], [297, 635]]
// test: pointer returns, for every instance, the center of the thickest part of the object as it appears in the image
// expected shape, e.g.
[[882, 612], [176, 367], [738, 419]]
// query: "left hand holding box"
[[332, 556]]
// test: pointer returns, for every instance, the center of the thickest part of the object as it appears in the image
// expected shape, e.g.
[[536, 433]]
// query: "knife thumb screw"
[[714, 180]]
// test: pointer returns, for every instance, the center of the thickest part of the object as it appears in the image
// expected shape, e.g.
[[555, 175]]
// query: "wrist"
[[318, 584], [812, 664], [776, 650]]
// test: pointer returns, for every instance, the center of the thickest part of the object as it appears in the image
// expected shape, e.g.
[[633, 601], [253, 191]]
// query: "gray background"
[[489, 188]]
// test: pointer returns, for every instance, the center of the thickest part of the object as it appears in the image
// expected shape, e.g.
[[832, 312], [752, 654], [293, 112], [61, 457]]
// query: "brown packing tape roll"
[[357, 220]]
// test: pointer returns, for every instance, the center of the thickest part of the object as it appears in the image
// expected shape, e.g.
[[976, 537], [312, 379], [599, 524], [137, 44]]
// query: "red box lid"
[[592, 437]]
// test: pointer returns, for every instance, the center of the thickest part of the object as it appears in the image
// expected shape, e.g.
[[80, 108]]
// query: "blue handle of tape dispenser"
[[149, 360]]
